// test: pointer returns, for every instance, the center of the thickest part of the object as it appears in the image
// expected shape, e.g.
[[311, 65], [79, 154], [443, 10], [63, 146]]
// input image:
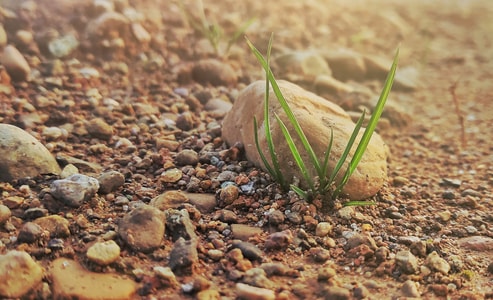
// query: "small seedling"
[[324, 185], [212, 31]]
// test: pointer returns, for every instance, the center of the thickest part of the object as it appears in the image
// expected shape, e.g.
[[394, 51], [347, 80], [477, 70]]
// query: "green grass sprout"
[[324, 184], [211, 30]]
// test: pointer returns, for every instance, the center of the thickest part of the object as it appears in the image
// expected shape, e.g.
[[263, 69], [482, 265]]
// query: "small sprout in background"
[[324, 186], [212, 31]]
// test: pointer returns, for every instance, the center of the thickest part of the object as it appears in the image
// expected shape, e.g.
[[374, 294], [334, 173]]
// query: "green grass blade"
[[296, 154], [266, 163], [239, 32], [365, 139], [349, 145], [299, 191], [289, 113], [324, 180]]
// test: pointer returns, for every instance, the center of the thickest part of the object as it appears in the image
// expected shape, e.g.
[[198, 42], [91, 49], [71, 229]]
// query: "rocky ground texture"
[[118, 181]]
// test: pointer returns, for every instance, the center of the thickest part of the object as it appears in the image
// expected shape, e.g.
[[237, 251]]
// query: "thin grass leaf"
[[239, 32], [365, 139], [266, 163], [325, 181], [296, 154], [299, 191], [349, 145], [289, 113], [359, 203]]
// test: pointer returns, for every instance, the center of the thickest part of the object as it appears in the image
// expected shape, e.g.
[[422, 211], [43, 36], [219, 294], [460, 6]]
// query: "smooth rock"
[[346, 64], [187, 157], [169, 199], [361, 239], [229, 194], [74, 190], [217, 107], [103, 253], [316, 116], [72, 281], [205, 203], [244, 232], [248, 292], [477, 243], [22, 155], [214, 72], [56, 225], [279, 240], [29, 233], [15, 64], [407, 262], [143, 228], [183, 256], [98, 128], [110, 181], [3, 37], [302, 66], [410, 289], [436, 263], [19, 273], [5, 214], [323, 229], [325, 84], [171, 175], [336, 293]]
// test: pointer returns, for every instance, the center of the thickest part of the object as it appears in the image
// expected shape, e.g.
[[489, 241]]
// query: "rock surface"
[[72, 281], [19, 273], [75, 189], [23, 155], [143, 228], [316, 116]]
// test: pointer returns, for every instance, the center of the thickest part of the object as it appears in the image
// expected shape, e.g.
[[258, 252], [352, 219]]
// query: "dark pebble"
[[249, 250]]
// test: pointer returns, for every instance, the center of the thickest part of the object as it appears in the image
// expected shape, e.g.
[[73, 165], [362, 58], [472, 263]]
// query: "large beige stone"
[[19, 273], [316, 116], [22, 155]]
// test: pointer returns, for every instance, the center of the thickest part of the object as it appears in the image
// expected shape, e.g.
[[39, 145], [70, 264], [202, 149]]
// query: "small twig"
[[458, 112]]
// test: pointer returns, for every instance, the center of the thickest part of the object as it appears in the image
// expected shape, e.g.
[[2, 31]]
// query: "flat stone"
[[316, 116], [169, 199], [19, 273], [23, 155], [214, 72], [205, 203], [244, 232], [143, 228], [302, 66], [477, 243], [72, 281], [245, 291], [346, 64]]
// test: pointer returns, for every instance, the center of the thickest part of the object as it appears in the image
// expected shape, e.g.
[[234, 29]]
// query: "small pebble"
[[410, 289], [15, 64], [166, 276], [323, 229], [187, 157], [103, 253], [110, 181], [279, 240], [249, 250], [435, 262]]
